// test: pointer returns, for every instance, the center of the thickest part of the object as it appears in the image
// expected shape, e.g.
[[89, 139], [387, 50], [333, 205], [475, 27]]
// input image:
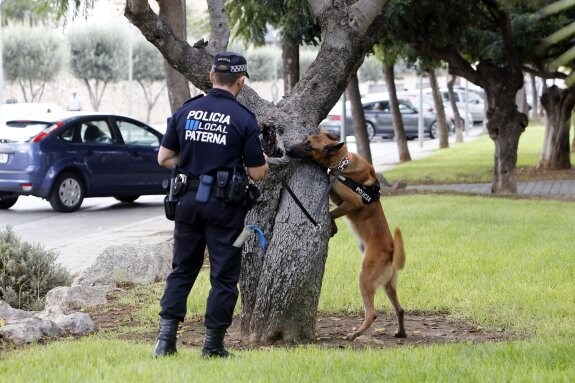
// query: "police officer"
[[211, 135]]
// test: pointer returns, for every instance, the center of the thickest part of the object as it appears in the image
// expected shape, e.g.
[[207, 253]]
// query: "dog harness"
[[368, 194]]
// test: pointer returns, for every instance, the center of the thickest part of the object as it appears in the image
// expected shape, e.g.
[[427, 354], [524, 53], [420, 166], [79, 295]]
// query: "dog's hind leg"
[[391, 291], [367, 289]]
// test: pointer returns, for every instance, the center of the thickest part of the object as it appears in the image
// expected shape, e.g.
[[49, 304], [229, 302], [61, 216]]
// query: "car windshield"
[[21, 131]]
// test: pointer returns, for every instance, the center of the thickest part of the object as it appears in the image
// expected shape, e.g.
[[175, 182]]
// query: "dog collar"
[[342, 164]]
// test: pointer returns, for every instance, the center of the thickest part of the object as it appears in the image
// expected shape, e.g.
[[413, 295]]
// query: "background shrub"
[[27, 272]]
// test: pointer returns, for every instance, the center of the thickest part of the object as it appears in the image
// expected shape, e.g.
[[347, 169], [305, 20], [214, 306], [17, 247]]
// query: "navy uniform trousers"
[[216, 225]]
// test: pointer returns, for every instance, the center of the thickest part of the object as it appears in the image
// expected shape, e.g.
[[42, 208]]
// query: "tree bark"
[[456, 115], [505, 123], [290, 59], [558, 104], [358, 119], [173, 14], [398, 128], [439, 110]]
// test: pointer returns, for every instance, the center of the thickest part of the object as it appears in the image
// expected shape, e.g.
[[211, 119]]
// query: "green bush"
[[27, 272]]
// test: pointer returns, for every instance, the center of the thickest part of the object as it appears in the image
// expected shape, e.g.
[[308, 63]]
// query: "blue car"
[[66, 157]]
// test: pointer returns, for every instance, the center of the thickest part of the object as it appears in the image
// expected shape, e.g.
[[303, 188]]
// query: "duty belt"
[[192, 185]]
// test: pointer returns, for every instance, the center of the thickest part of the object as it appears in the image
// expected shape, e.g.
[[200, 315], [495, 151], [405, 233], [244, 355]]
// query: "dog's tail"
[[398, 250]]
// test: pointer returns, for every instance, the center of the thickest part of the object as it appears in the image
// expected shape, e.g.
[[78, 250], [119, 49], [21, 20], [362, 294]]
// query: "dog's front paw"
[[333, 228]]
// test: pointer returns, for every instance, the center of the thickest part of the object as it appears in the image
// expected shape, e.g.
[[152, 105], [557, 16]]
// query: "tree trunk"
[[505, 123], [558, 104], [398, 128], [280, 287], [439, 110], [456, 115], [173, 14], [290, 59], [358, 119]]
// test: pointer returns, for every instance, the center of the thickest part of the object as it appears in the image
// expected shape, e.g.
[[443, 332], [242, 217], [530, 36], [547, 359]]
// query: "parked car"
[[429, 105], [68, 156], [378, 119], [469, 99]]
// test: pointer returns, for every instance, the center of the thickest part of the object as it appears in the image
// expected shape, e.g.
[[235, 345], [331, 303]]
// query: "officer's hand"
[[284, 160]]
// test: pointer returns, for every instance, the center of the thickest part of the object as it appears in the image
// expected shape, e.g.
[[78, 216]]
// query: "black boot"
[[166, 344], [214, 344]]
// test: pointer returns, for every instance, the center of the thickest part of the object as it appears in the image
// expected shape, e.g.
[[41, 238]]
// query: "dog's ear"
[[333, 148], [331, 136]]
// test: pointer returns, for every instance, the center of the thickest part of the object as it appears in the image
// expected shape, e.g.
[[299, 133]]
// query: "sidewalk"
[[527, 188]]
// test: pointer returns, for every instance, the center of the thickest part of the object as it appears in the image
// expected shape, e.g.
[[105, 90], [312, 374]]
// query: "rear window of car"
[[21, 131]]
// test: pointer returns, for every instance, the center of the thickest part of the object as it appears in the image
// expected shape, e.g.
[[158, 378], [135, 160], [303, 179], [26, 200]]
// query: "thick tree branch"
[[193, 63], [317, 6], [364, 12]]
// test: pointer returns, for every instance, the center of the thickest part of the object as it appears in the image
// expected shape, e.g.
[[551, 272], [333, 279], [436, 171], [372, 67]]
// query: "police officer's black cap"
[[230, 62]]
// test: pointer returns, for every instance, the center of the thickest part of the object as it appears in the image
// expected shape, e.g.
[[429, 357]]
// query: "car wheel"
[[67, 193], [433, 130], [127, 198], [7, 200], [370, 130]]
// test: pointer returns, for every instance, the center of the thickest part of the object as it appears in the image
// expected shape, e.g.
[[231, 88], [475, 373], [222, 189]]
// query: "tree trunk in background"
[[558, 104], [398, 127], [456, 115], [439, 111], [290, 59], [358, 119], [505, 123], [173, 14]]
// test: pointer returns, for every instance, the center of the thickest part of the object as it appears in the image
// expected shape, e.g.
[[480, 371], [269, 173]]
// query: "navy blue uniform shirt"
[[214, 132]]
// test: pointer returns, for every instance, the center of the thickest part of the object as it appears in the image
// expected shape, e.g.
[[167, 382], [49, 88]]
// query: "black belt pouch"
[[170, 207]]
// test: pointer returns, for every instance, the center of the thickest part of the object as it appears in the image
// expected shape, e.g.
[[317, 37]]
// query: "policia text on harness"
[[233, 189]]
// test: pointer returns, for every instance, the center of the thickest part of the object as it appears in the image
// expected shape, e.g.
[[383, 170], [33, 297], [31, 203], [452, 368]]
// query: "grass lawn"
[[471, 162], [502, 263]]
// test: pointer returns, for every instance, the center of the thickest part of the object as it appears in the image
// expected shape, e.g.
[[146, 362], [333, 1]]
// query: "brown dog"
[[383, 255]]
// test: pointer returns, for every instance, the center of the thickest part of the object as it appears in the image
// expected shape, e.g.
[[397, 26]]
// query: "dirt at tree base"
[[422, 328]]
